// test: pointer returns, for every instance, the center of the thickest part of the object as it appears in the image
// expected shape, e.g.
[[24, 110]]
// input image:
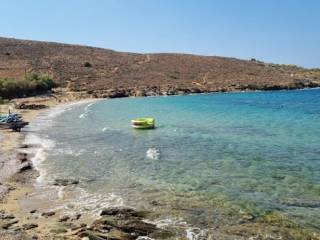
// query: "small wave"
[[153, 153], [88, 201], [83, 115], [69, 151], [39, 148], [86, 110], [106, 129], [196, 233], [88, 106]]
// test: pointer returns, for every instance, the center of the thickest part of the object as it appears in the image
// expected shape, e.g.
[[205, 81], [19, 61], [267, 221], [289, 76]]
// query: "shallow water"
[[210, 157]]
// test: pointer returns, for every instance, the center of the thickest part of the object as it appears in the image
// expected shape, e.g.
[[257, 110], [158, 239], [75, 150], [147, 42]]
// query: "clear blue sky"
[[281, 31]]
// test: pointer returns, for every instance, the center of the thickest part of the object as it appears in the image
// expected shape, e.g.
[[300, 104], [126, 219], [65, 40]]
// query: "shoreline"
[[18, 173], [21, 185]]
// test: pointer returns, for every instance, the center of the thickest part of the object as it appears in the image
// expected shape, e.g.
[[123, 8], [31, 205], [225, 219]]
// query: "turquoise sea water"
[[210, 155]]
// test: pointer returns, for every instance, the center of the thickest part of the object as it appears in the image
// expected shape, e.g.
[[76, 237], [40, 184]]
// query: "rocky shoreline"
[[169, 91]]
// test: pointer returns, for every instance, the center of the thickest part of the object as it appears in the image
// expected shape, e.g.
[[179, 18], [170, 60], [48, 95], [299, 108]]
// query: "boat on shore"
[[143, 123], [12, 121]]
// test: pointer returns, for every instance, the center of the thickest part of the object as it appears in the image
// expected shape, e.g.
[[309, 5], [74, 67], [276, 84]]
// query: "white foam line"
[[40, 145]]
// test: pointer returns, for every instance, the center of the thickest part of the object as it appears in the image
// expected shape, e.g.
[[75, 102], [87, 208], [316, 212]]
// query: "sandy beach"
[[17, 177]]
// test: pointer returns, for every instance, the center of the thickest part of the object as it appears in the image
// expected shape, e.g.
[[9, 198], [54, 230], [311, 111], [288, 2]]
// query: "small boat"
[[143, 123], [12, 121]]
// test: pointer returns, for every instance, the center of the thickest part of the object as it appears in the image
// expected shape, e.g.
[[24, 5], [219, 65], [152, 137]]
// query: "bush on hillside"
[[87, 64], [31, 85]]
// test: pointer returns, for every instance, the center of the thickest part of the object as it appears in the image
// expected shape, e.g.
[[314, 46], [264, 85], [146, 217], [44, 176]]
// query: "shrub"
[[31, 85], [87, 64]]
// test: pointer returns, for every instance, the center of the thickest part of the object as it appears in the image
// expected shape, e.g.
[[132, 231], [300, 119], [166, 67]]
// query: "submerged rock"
[[65, 182], [126, 223], [127, 212]]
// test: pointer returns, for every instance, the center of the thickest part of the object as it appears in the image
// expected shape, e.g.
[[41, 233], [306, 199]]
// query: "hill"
[[106, 73]]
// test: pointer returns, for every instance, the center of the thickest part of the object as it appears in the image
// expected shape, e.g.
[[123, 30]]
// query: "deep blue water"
[[251, 152]]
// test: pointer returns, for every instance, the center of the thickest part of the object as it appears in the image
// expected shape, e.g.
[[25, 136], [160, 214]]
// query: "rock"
[[155, 203], [65, 182], [127, 212], [115, 93], [247, 217], [81, 226], [63, 218], [14, 229], [33, 211], [140, 93], [7, 224], [75, 217], [22, 157], [30, 106], [70, 206], [48, 214], [91, 235], [25, 166], [116, 234], [58, 230], [138, 228], [24, 145], [28, 226], [5, 216]]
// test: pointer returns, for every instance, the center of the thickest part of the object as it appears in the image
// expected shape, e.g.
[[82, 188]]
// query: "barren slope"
[[121, 74]]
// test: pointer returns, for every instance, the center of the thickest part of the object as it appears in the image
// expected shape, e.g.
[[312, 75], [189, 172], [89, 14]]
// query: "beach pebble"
[[7, 224], [247, 217], [48, 214], [28, 226], [3, 215], [25, 166], [75, 217], [70, 206], [63, 218], [58, 230]]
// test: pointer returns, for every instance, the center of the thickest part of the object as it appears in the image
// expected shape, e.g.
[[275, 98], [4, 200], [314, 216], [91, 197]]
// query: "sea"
[[211, 159]]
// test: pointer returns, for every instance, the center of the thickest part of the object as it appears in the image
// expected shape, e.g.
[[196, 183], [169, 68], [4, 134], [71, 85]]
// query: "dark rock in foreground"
[[122, 223]]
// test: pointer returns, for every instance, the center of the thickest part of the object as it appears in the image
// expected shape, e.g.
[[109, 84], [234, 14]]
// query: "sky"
[[278, 31]]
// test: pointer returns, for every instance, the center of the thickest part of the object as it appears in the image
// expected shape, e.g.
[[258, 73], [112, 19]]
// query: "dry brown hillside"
[[108, 73]]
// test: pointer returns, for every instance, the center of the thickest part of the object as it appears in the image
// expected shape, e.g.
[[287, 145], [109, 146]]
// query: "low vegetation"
[[87, 64], [31, 85]]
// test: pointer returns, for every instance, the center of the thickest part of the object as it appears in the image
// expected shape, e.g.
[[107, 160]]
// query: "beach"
[[17, 177]]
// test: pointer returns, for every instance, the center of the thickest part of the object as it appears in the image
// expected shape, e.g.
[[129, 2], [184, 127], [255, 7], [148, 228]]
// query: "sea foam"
[[153, 153]]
